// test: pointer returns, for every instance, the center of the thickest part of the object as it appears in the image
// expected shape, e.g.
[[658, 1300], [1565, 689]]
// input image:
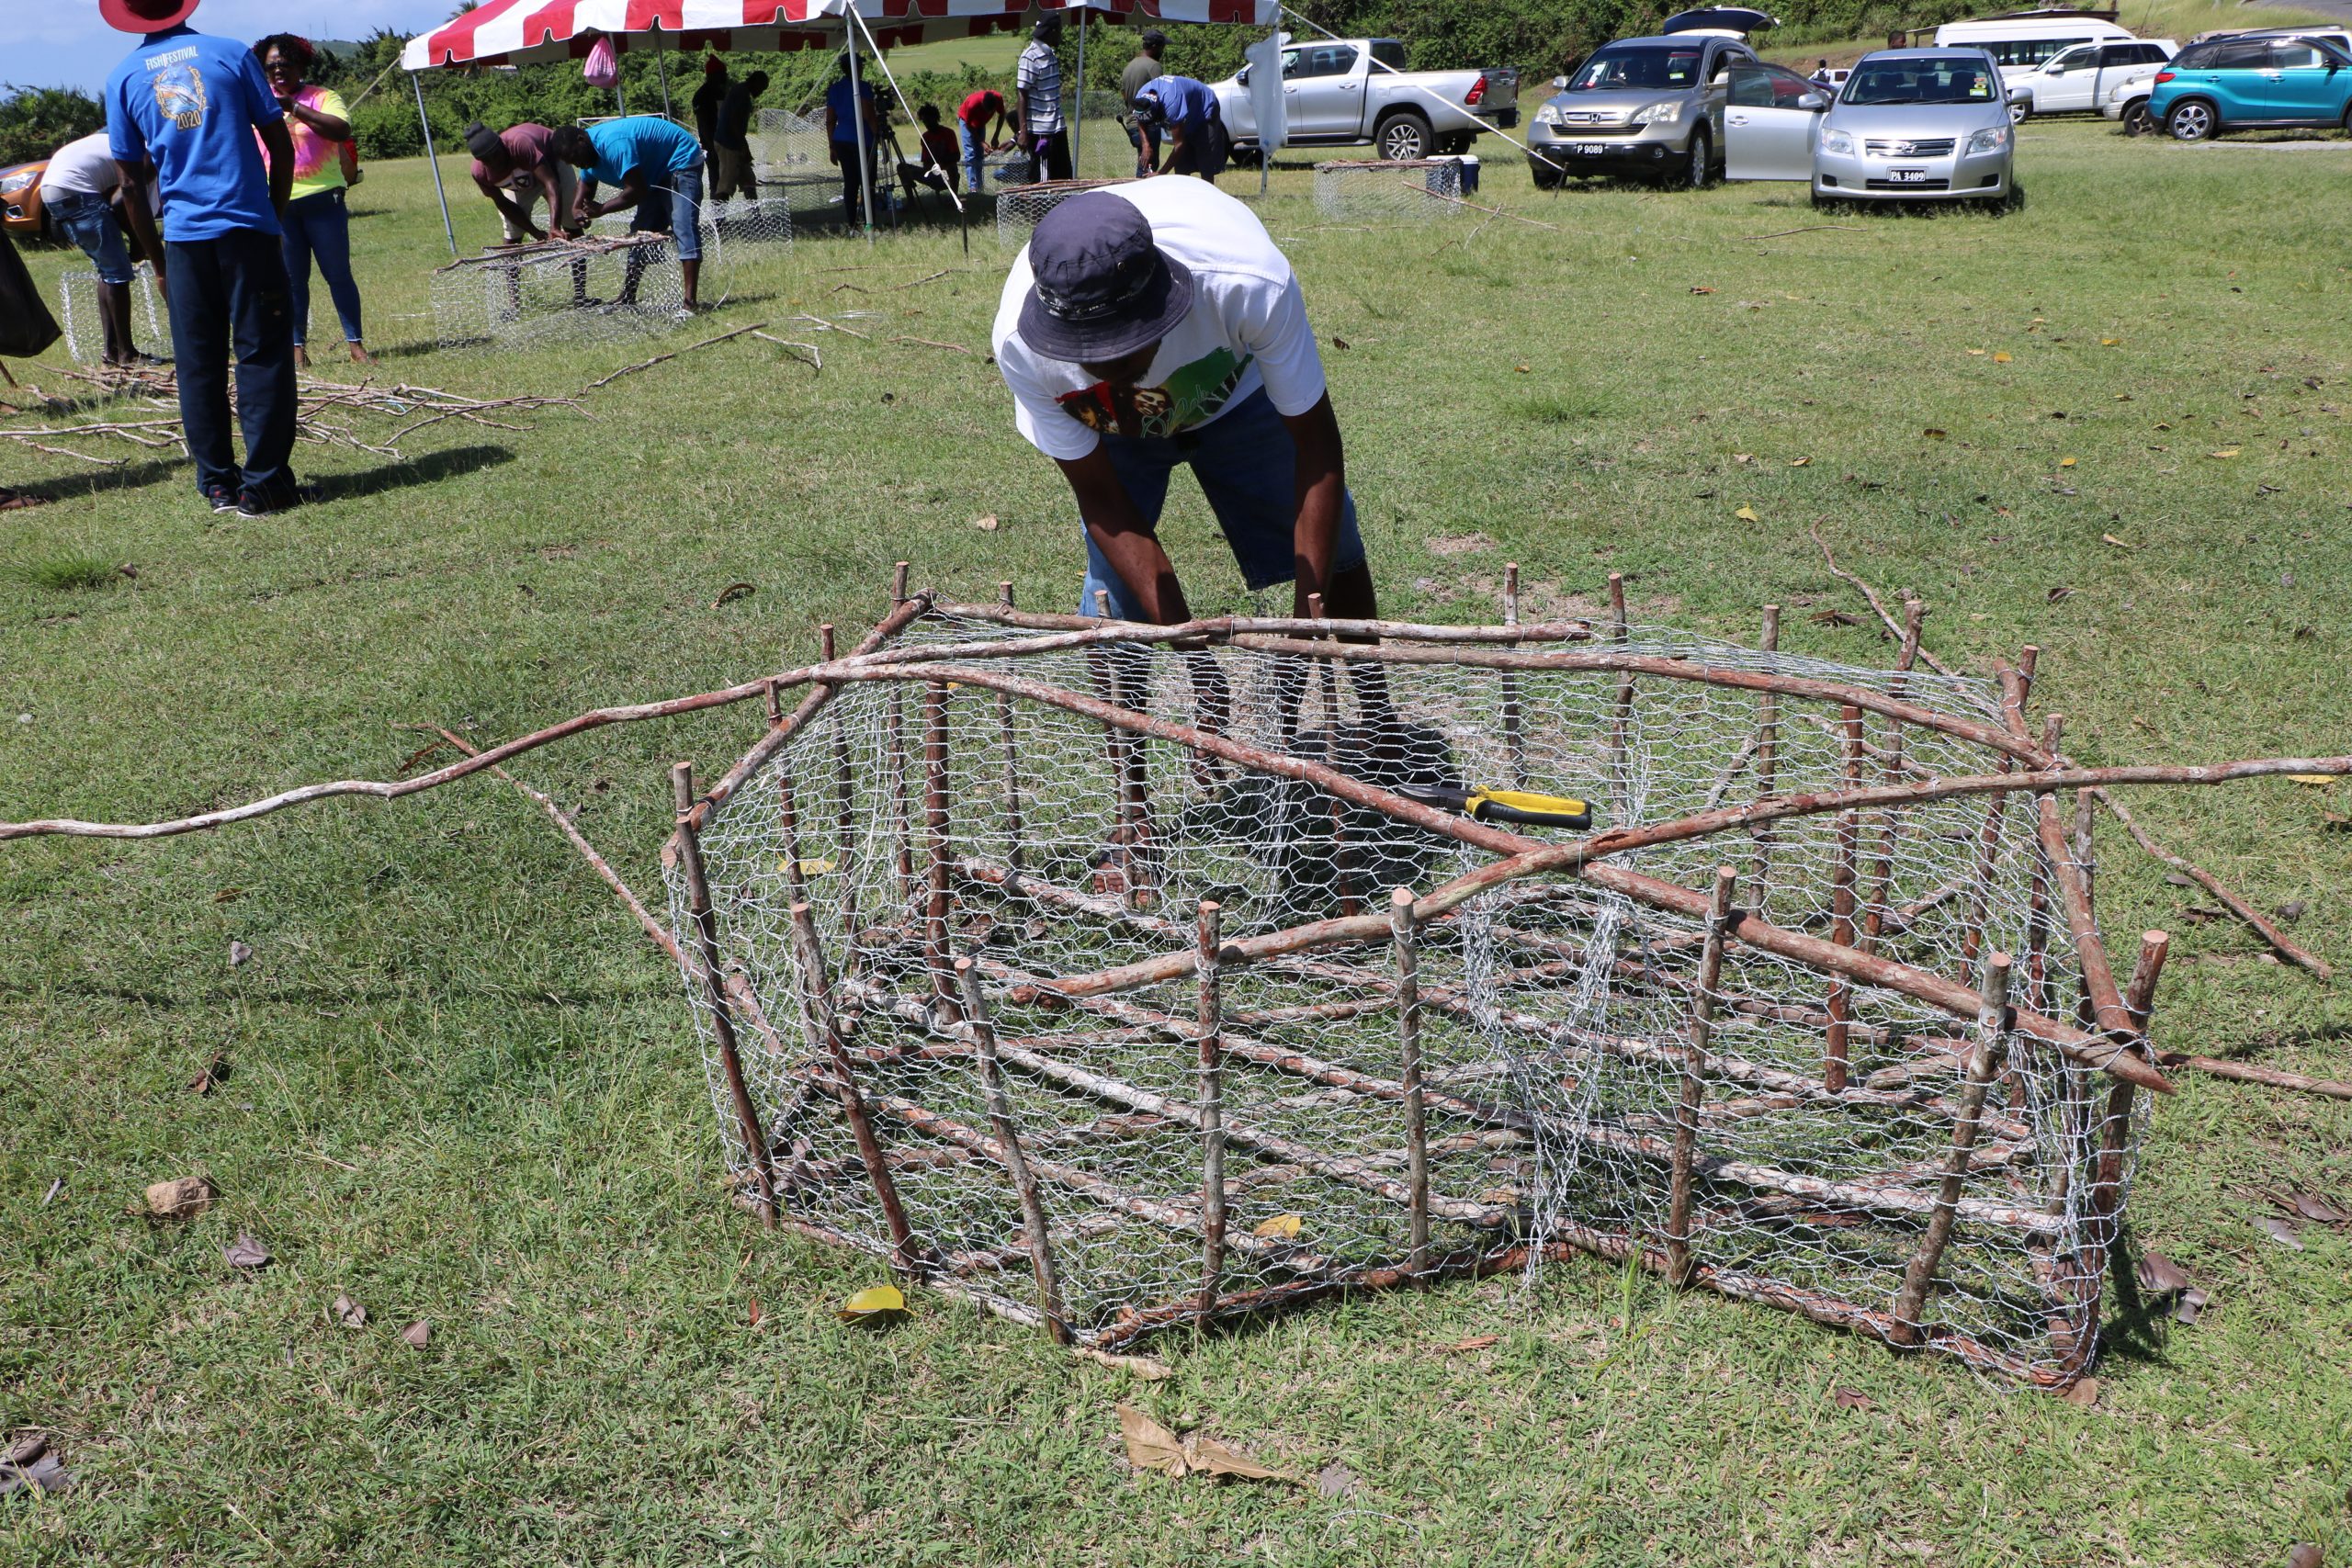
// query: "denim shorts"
[[89, 222], [672, 205], [1245, 463]]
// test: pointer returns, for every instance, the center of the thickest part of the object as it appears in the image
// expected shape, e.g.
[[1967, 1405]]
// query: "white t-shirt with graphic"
[[1247, 329]]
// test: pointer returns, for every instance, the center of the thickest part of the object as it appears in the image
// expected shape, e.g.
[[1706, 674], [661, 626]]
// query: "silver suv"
[[1641, 106]]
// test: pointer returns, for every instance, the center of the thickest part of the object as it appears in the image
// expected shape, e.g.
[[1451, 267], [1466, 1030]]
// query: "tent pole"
[[661, 69], [1078, 104], [857, 123], [433, 163]]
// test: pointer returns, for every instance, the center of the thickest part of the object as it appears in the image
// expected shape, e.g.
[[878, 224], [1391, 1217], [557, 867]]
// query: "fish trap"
[[1020, 207], [573, 289], [1118, 981], [739, 220], [85, 334], [1412, 190]]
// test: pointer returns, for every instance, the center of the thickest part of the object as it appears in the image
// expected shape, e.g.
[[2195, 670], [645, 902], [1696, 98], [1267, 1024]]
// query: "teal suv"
[[2244, 83]]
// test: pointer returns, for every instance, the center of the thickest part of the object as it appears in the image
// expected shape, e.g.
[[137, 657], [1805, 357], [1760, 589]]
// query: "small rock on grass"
[[418, 1334], [179, 1199], [348, 1313]]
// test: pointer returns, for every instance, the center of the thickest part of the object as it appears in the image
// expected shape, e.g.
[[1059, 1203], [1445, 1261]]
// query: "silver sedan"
[[1908, 125]]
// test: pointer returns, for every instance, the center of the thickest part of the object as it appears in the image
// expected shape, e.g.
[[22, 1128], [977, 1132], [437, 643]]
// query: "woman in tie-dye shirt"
[[316, 223]]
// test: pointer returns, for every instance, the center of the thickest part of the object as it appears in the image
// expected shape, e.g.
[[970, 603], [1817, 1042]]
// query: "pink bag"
[[600, 69]]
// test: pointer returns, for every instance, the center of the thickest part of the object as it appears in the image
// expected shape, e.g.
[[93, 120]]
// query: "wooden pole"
[[844, 818], [1992, 1030], [1768, 756], [1011, 760], [2115, 1128], [1621, 722], [1890, 823], [1212, 1098], [1841, 908], [1408, 1039], [722, 1017], [1016, 1165], [823, 1025], [1514, 723], [935, 848], [788, 824], [1693, 1094]]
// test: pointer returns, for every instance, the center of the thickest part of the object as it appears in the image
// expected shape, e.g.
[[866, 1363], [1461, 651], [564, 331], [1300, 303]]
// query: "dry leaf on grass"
[[1334, 1480], [2281, 1231], [1281, 1227], [238, 953], [1143, 1367], [1745, 514], [1851, 1399], [1475, 1342], [180, 1199], [1700, 288], [246, 1253], [348, 1313], [2056, 595], [1834, 618], [986, 524], [2002, 357], [2084, 1393], [215, 1073], [2314, 781], [2065, 462], [2161, 1276], [872, 1304], [418, 1334], [2319, 1210], [733, 591], [2192, 1302], [1932, 434], [1151, 1446], [2224, 452], [2111, 539], [2303, 1554]]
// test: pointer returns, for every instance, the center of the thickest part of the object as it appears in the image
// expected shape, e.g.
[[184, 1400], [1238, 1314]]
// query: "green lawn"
[[465, 1089]]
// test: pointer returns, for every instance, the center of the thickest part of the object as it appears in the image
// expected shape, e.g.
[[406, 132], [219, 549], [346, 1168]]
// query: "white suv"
[[2080, 80]]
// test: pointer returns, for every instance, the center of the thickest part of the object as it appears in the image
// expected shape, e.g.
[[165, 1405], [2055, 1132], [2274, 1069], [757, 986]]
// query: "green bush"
[[37, 121]]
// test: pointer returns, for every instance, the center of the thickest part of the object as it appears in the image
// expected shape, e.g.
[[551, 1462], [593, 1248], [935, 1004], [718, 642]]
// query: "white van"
[[2023, 40]]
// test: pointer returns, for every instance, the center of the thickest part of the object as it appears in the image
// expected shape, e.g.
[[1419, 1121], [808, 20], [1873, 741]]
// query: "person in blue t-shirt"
[[182, 112], [1191, 128], [842, 133], [652, 164]]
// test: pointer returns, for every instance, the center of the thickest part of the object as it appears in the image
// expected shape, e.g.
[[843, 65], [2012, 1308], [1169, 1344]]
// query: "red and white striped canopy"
[[505, 32]]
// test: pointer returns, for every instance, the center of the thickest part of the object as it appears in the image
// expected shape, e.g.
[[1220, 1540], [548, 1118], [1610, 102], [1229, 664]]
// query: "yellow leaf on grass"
[[872, 1301], [1978, 352], [806, 867], [2109, 342], [2224, 452], [2001, 358], [2065, 462], [2111, 539], [1798, 462], [1281, 1227], [1746, 514], [1206, 1454], [2316, 781]]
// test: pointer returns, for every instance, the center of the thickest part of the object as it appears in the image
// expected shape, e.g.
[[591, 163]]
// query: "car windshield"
[[1957, 80], [1618, 68]]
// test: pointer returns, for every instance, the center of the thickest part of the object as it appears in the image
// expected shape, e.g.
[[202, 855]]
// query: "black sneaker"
[[253, 507], [220, 498]]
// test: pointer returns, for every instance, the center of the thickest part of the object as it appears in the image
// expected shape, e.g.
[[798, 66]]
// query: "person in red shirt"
[[972, 131], [935, 161]]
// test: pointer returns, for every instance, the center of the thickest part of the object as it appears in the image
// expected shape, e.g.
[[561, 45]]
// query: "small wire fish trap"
[[1020, 207], [1410, 191], [1118, 979], [77, 297], [608, 286]]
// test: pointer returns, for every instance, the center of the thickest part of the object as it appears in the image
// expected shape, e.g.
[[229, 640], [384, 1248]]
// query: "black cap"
[[1104, 289], [1152, 35]]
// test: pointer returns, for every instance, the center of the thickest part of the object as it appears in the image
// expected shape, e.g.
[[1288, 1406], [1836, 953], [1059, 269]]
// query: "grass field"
[[465, 1090]]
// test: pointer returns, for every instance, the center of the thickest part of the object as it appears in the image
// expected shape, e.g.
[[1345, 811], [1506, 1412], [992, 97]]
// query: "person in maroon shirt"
[[514, 167], [972, 130]]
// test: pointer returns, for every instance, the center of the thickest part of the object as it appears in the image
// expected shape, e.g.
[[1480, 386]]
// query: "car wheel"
[[2135, 118], [1700, 170], [2191, 121], [1546, 177], [1404, 137], [2020, 112]]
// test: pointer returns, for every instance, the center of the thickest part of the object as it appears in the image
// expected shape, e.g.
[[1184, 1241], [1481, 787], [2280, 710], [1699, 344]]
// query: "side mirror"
[[1817, 103], [1559, 83], [1723, 77], [1242, 77]]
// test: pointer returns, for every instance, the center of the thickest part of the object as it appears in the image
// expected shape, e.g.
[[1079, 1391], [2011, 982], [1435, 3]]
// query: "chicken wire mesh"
[[724, 225], [610, 286], [1410, 189], [1533, 1102], [793, 160], [1019, 207], [77, 297]]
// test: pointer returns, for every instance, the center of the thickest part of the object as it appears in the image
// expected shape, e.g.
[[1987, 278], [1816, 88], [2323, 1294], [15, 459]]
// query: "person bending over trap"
[[654, 165], [1187, 127]]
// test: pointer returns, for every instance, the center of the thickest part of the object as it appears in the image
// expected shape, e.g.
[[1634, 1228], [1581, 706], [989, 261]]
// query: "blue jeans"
[[974, 150], [89, 222], [673, 205], [1247, 465], [318, 226], [230, 293]]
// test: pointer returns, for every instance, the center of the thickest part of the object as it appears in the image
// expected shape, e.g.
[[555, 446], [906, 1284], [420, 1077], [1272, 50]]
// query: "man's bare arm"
[[137, 213], [1125, 540], [1321, 491]]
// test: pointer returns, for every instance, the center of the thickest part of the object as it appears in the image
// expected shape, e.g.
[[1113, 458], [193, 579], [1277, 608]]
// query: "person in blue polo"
[[182, 112], [1153, 326], [1191, 136], [652, 164]]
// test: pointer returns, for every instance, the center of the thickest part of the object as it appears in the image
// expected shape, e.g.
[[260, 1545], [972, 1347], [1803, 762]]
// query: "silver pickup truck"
[[1346, 92]]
